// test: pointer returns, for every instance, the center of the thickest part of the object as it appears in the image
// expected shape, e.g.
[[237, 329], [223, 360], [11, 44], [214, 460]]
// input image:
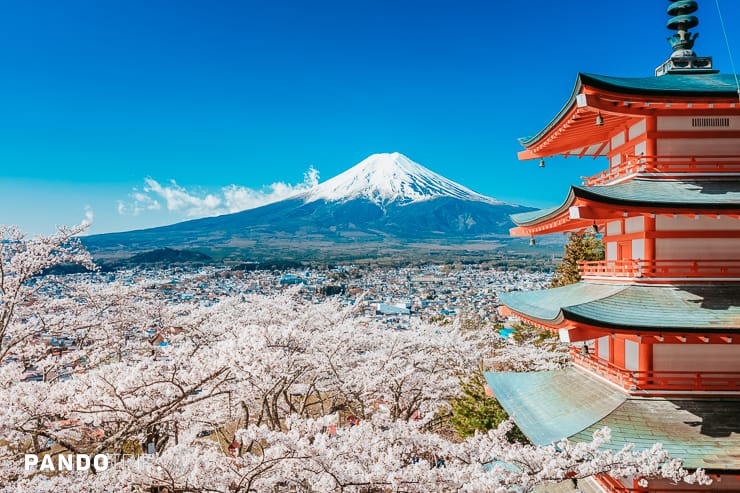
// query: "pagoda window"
[[698, 146], [636, 130], [590, 347], [638, 249], [603, 347], [614, 228], [631, 355], [611, 250], [696, 357], [703, 223], [697, 248], [618, 140], [641, 149], [697, 123], [634, 224]]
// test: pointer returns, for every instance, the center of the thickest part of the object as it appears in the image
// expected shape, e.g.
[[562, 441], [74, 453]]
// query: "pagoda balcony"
[[638, 269], [661, 164], [659, 382]]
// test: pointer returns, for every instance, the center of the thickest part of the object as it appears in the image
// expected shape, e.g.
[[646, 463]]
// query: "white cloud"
[[180, 200], [237, 198], [193, 204], [89, 216], [138, 203]]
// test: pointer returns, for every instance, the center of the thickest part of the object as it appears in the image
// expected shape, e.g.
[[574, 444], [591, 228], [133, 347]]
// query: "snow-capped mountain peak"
[[390, 177]]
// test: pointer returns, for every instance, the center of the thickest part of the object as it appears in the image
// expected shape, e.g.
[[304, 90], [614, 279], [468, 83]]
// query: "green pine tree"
[[580, 246], [475, 411]]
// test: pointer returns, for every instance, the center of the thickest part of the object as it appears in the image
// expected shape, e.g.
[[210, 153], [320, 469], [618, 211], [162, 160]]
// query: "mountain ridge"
[[384, 202]]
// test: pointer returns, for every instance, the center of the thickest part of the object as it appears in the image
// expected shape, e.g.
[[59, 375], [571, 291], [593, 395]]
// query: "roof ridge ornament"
[[684, 60], [681, 22]]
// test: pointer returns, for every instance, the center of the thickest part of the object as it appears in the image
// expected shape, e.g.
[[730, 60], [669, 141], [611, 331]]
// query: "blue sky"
[[121, 108]]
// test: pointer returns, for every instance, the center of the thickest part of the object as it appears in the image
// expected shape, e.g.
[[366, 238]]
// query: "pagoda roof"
[[569, 403], [543, 403], [650, 193], [692, 85], [615, 97], [631, 308]]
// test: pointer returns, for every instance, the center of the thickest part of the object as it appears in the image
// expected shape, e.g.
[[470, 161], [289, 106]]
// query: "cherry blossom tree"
[[22, 260], [247, 393]]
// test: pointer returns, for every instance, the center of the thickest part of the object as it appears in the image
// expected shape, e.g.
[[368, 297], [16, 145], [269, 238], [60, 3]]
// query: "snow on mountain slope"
[[387, 178]]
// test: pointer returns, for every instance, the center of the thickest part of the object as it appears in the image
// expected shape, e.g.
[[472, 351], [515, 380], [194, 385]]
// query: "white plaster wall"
[[698, 147], [682, 123], [604, 347], [618, 140], [696, 357], [634, 224], [611, 250], [697, 248], [631, 355], [641, 148], [616, 160], [637, 129], [683, 223], [615, 228], [638, 248]]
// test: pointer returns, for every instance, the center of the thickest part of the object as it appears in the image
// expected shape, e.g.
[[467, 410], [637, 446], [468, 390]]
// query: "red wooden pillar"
[[649, 250], [612, 339], [651, 144], [645, 361]]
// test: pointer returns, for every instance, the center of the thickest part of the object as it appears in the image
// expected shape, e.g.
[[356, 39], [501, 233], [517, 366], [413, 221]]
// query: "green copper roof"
[[549, 406], [671, 84], [546, 305], [648, 192], [701, 308], [687, 85], [704, 433], [682, 194], [533, 216]]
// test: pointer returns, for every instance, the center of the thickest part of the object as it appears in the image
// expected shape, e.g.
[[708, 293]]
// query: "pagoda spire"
[[681, 21], [683, 59]]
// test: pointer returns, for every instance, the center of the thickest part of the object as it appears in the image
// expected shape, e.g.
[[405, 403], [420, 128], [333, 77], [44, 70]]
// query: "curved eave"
[[550, 406], [551, 220], [629, 308], [572, 130], [685, 85], [539, 217], [698, 430], [656, 196], [592, 195], [545, 307], [527, 142], [570, 403], [548, 323], [629, 328]]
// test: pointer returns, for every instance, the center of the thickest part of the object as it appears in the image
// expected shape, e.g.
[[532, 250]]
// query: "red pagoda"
[[655, 327]]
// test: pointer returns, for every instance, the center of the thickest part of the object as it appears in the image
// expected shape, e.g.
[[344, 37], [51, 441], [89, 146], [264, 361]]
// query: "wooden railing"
[[633, 380], [641, 269], [663, 164]]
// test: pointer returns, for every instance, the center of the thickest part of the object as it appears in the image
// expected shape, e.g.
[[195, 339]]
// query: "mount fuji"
[[391, 179], [385, 204]]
